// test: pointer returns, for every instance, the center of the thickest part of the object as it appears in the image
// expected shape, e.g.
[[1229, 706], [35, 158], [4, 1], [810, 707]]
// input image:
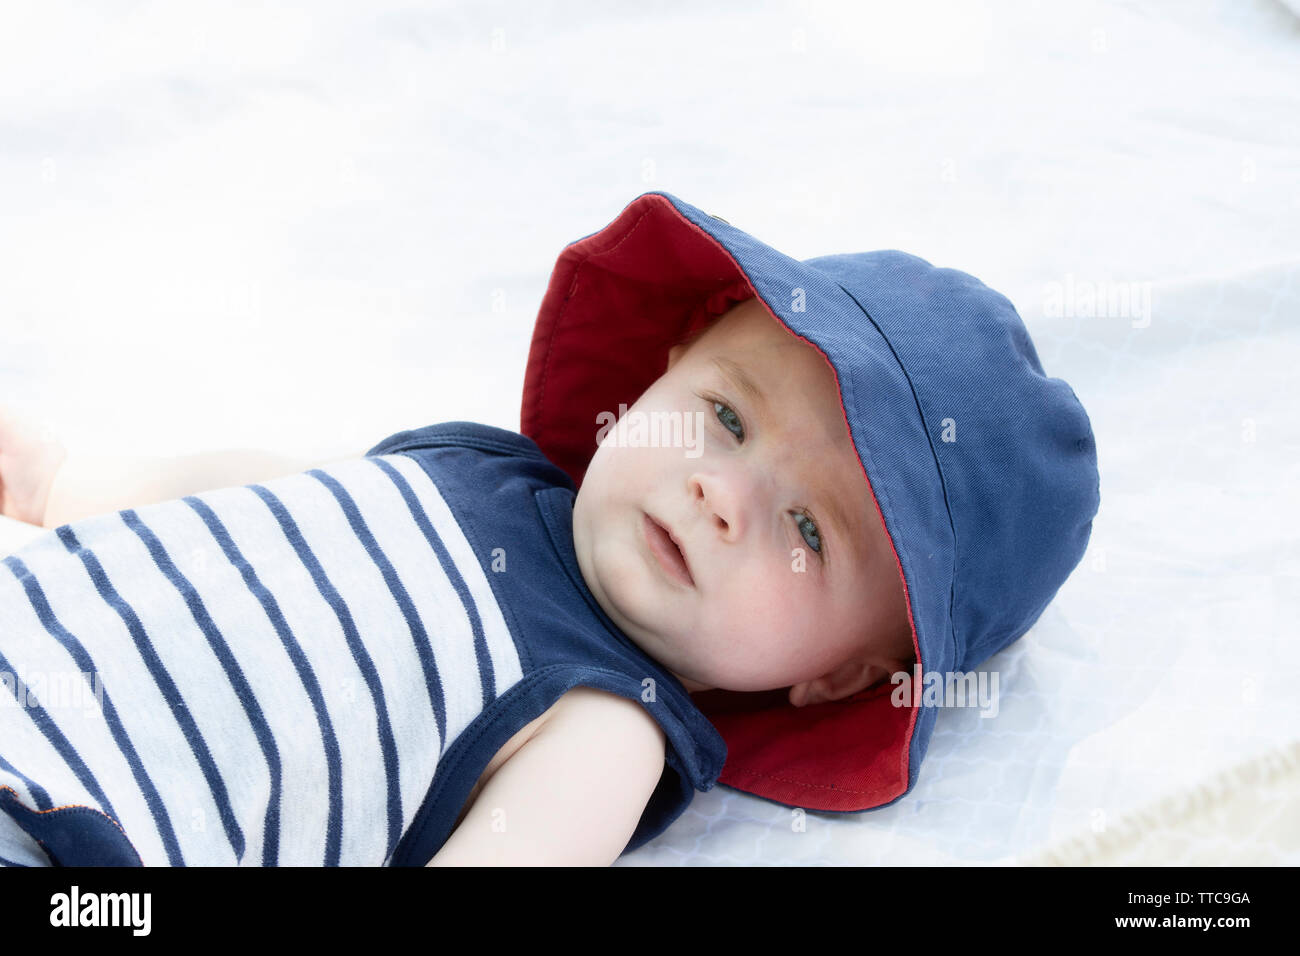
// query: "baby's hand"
[[29, 460]]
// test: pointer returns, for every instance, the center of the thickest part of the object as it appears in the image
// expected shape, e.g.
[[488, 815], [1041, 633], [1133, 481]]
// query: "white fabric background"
[[307, 228]]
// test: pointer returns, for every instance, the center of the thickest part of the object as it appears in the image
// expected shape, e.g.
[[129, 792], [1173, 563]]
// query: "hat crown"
[[1014, 448]]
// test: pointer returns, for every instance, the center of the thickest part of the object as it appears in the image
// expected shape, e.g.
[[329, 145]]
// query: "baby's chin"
[[686, 657], [697, 676], [658, 647], [691, 686]]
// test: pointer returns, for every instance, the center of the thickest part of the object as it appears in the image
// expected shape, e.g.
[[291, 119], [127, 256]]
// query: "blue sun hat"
[[983, 469]]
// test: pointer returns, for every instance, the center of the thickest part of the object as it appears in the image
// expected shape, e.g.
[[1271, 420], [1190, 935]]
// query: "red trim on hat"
[[616, 302]]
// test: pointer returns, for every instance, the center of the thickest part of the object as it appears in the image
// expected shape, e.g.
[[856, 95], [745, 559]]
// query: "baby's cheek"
[[764, 613], [791, 605]]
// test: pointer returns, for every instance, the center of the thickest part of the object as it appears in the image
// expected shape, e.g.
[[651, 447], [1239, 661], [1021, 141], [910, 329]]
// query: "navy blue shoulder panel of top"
[[516, 510]]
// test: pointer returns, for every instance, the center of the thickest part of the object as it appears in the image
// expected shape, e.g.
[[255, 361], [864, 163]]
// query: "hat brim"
[[616, 302]]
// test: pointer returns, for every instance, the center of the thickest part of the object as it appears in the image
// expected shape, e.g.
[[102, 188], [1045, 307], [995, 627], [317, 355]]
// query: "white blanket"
[[307, 229]]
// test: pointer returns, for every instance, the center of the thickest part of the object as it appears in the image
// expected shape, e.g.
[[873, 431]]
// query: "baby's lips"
[[672, 542]]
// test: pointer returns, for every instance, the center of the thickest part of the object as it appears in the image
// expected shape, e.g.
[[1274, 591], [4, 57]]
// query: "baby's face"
[[788, 578]]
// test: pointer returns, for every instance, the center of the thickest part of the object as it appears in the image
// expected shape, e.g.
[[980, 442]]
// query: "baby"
[[771, 568], [828, 482]]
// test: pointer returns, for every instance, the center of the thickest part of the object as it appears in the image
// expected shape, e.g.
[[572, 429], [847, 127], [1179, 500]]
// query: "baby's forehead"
[[783, 366], [797, 387]]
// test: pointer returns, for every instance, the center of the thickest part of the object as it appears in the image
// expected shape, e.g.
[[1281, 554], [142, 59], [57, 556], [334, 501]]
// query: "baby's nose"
[[721, 500]]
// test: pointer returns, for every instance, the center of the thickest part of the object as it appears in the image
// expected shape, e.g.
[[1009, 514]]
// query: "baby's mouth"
[[667, 551]]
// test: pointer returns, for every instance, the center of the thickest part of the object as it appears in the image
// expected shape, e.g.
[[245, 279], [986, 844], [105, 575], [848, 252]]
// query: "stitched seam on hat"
[[943, 483], [810, 786]]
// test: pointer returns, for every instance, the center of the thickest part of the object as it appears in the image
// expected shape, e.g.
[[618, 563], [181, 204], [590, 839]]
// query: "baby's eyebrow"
[[740, 378], [839, 520]]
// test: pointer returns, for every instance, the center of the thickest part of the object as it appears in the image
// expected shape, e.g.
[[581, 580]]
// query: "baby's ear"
[[845, 680]]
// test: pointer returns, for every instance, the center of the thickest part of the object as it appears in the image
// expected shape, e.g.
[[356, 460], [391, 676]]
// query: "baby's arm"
[[87, 485], [41, 485], [572, 795]]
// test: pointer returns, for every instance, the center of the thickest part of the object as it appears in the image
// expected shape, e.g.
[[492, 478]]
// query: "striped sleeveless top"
[[314, 670]]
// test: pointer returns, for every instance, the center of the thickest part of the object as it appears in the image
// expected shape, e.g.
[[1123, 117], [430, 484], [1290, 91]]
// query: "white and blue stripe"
[[282, 666]]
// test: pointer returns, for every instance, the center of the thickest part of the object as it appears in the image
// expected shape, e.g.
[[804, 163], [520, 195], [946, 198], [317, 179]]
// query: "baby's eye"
[[729, 419], [807, 527], [812, 537]]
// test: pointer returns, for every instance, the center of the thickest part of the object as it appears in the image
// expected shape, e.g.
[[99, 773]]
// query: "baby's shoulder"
[[594, 721], [575, 791], [580, 710], [578, 715]]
